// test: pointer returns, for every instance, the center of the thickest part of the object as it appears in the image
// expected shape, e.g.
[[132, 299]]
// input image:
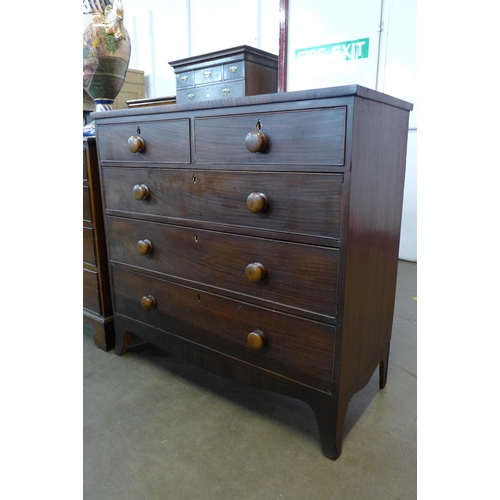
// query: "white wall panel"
[[219, 24], [315, 26]]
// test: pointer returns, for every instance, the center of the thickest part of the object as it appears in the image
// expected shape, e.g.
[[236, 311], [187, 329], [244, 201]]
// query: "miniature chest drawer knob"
[[148, 302], [256, 340], [141, 192], [257, 202], [144, 247], [136, 144], [255, 272]]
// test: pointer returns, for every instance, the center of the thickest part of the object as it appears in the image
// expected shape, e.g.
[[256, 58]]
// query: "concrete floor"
[[157, 428]]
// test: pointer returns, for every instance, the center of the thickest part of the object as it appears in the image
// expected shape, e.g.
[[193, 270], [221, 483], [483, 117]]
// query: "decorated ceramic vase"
[[106, 53]]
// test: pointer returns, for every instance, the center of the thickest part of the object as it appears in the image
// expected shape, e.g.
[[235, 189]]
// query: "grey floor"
[[157, 428]]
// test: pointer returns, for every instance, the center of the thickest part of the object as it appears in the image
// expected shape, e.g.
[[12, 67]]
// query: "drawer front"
[[289, 276], [209, 92], [91, 291], [165, 141], [303, 204], [313, 137], [208, 75], [185, 79], [295, 347], [85, 173], [235, 70], [88, 246], [87, 212]]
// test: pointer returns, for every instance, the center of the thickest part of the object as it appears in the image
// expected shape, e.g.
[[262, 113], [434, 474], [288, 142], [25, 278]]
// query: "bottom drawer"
[[293, 347]]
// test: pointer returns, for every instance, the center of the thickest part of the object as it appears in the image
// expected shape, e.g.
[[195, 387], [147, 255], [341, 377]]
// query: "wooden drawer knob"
[[144, 247], [255, 142], [136, 144], [141, 192], [256, 340], [257, 202], [148, 302], [255, 272]]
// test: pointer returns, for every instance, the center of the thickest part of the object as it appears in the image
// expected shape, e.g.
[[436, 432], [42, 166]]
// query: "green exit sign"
[[336, 52]]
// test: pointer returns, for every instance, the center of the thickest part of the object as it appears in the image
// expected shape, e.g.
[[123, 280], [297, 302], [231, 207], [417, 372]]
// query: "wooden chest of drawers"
[[234, 72], [258, 237], [97, 304]]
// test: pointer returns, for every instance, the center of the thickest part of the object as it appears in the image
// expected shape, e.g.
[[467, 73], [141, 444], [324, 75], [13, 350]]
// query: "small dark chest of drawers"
[[258, 238], [97, 304], [234, 72]]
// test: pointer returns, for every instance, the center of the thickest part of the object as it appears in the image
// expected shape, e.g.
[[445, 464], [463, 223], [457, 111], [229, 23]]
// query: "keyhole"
[[259, 125], [198, 298], [194, 179], [138, 130], [196, 238]]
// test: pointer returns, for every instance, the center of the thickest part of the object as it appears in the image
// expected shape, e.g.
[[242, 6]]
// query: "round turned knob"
[[257, 202], [255, 272], [144, 247], [136, 144], [141, 192], [255, 141], [256, 340], [148, 302]]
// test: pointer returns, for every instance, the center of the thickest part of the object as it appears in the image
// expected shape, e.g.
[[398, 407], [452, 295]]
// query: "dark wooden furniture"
[[97, 304], [229, 73], [258, 237]]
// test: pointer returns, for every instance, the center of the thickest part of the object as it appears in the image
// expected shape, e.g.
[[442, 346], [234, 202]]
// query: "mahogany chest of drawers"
[[258, 237], [97, 304], [228, 73]]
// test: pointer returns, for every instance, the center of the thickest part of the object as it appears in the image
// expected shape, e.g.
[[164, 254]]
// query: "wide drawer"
[[294, 347], [305, 204], [209, 92], [166, 141], [288, 276], [310, 137]]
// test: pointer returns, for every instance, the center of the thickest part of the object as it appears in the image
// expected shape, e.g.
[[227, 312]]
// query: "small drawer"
[[185, 79], [88, 246], [208, 75], [164, 141], [87, 212], [312, 137], [234, 70], [210, 92], [287, 276], [300, 204], [293, 347]]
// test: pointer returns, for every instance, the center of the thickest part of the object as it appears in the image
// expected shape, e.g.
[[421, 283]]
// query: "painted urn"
[[106, 53]]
